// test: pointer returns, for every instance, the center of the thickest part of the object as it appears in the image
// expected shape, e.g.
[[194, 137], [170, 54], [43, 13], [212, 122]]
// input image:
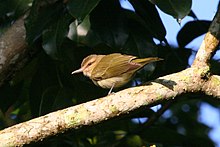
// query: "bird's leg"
[[111, 88]]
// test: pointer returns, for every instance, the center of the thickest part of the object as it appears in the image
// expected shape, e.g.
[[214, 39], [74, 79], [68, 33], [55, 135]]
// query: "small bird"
[[113, 70]]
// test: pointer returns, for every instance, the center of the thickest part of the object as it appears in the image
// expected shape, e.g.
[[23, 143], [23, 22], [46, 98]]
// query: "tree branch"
[[93, 112], [14, 51], [212, 86], [209, 44]]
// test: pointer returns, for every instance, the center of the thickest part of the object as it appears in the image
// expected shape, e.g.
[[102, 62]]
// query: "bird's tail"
[[145, 61]]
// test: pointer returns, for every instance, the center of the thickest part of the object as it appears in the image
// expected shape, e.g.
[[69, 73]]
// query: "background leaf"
[[178, 9], [149, 14], [41, 17], [53, 36], [192, 30], [79, 9]]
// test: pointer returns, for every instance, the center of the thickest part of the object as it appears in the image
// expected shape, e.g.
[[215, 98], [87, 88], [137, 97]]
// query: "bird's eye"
[[90, 63]]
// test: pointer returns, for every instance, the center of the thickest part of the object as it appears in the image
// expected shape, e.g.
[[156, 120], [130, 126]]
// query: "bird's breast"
[[116, 81]]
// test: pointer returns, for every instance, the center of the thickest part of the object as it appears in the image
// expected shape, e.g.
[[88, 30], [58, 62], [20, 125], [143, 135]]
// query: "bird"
[[112, 70]]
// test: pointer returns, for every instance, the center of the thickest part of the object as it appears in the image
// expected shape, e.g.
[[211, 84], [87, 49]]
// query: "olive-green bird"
[[113, 70]]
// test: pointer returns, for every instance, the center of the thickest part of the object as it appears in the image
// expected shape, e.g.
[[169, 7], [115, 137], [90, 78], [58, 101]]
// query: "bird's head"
[[88, 65]]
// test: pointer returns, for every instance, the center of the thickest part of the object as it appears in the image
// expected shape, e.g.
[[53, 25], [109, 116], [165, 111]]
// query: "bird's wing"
[[112, 65]]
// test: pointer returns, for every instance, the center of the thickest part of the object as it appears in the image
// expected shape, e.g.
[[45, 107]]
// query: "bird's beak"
[[77, 71]]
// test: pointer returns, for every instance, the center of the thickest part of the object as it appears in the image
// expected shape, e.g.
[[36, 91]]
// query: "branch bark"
[[209, 44], [123, 102], [13, 50], [194, 79]]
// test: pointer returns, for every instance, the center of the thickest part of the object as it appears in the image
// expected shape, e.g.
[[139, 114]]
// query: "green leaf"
[[41, 17], [109, 24], [10, 10], [63, 98], [44, 78], [149, 14], [133, 141], [55, 97], [79, 9], [191, 30], [13, 8], [177, 8], [115, 27], [174, 57], [78, 32], [53, 37]]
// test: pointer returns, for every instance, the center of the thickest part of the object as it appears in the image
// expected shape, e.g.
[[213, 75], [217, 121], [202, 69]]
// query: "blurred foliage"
[[67, 31]]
